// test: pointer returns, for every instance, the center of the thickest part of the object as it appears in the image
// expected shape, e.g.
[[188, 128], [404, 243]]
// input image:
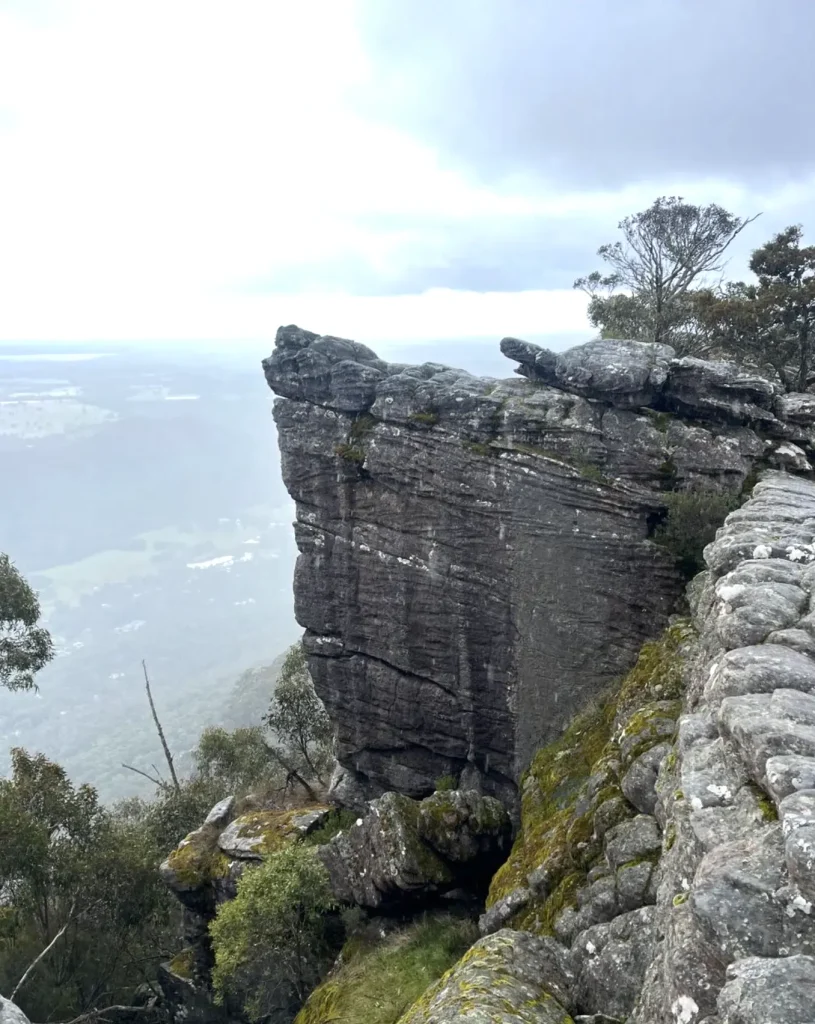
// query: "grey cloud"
[[478, 254], [598, 93]]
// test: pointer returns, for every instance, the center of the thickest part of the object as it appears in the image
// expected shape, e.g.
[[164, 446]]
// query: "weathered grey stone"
[[756, 599], [708, 776], [634, 886], [632, 840], [733, 896], [760, 669], [10, 1013], [789, 456], [404, 851], [610, 813], [627, 373], [719, 389], [788, 773], [797, 810], [500, 912], [798, 639], [797, 407], [471, 549], [463, 825], [610, 961], [506, 978], [762, 726], [639, 782], [769, 991], [221, 813]]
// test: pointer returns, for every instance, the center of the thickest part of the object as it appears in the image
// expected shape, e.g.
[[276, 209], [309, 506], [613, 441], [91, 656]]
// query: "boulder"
[[10, 1013], [404, 851], [780, 990], [506, 978]]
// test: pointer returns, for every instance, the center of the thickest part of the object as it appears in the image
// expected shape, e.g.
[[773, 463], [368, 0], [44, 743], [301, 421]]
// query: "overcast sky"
[[379, 169]]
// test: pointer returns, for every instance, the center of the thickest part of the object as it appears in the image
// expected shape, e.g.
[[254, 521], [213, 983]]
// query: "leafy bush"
[[690, 524], [273, 940]]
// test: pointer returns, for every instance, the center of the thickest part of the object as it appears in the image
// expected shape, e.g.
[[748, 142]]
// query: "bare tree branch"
[[138, 771], [167, 754], [40, 956]]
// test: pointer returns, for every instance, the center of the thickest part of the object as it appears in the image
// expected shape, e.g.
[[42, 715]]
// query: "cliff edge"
[[475, 557]]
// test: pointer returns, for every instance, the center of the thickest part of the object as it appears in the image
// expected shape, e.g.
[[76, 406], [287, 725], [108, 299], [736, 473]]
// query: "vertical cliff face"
[[475, 559]]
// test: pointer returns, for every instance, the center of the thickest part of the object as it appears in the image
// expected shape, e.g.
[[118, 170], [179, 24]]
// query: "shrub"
[[446, 783], [273, 940], [690, 524]]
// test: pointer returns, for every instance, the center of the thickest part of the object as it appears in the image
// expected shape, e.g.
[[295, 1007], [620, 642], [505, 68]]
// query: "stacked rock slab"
[[734, 911], [475, 560]]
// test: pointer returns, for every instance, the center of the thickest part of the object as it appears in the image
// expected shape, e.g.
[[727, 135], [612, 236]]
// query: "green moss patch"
[[197, 860], [183, 964], [375, 982], [275, 829], [350, 453]]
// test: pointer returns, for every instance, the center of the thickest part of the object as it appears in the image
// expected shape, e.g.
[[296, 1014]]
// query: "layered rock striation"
[[475, 554]]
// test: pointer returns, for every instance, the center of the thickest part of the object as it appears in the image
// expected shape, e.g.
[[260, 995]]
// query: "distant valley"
[[143, 501]]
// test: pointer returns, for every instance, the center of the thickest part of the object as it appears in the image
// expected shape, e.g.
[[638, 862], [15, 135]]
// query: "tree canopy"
[[25, 647], [665, 250]]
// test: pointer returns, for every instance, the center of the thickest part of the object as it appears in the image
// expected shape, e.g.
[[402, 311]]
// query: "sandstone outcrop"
[[475, 554]]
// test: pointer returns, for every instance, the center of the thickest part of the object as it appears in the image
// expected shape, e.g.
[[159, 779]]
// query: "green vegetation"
[[691, 522], [377, 980], [350, 453], [479, 448], [361, 426], [656, 290], [274, 935], [665, 250], [71, 868], [428, 418], [445, 783], [299, 721], [339, 820], [25, 647]]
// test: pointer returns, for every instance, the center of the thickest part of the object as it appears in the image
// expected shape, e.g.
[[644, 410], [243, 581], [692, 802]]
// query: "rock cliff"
[[475, 554], [665, 855]]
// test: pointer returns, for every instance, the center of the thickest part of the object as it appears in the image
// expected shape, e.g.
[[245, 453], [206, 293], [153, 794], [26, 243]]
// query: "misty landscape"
[[407, 526], [151, 517], [154, 524]]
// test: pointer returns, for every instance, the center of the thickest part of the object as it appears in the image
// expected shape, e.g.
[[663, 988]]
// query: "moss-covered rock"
[[195, 862], [571, 792], [405, 850], [507, 978], [259, 833]]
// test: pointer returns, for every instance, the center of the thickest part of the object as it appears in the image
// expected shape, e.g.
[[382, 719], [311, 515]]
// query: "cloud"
[[597, 93], [196, 169]]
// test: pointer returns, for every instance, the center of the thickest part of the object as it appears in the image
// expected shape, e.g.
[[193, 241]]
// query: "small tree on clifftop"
[[665, 250]]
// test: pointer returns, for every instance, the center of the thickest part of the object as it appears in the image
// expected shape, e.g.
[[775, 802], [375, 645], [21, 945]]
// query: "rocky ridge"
[[475, 555]]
